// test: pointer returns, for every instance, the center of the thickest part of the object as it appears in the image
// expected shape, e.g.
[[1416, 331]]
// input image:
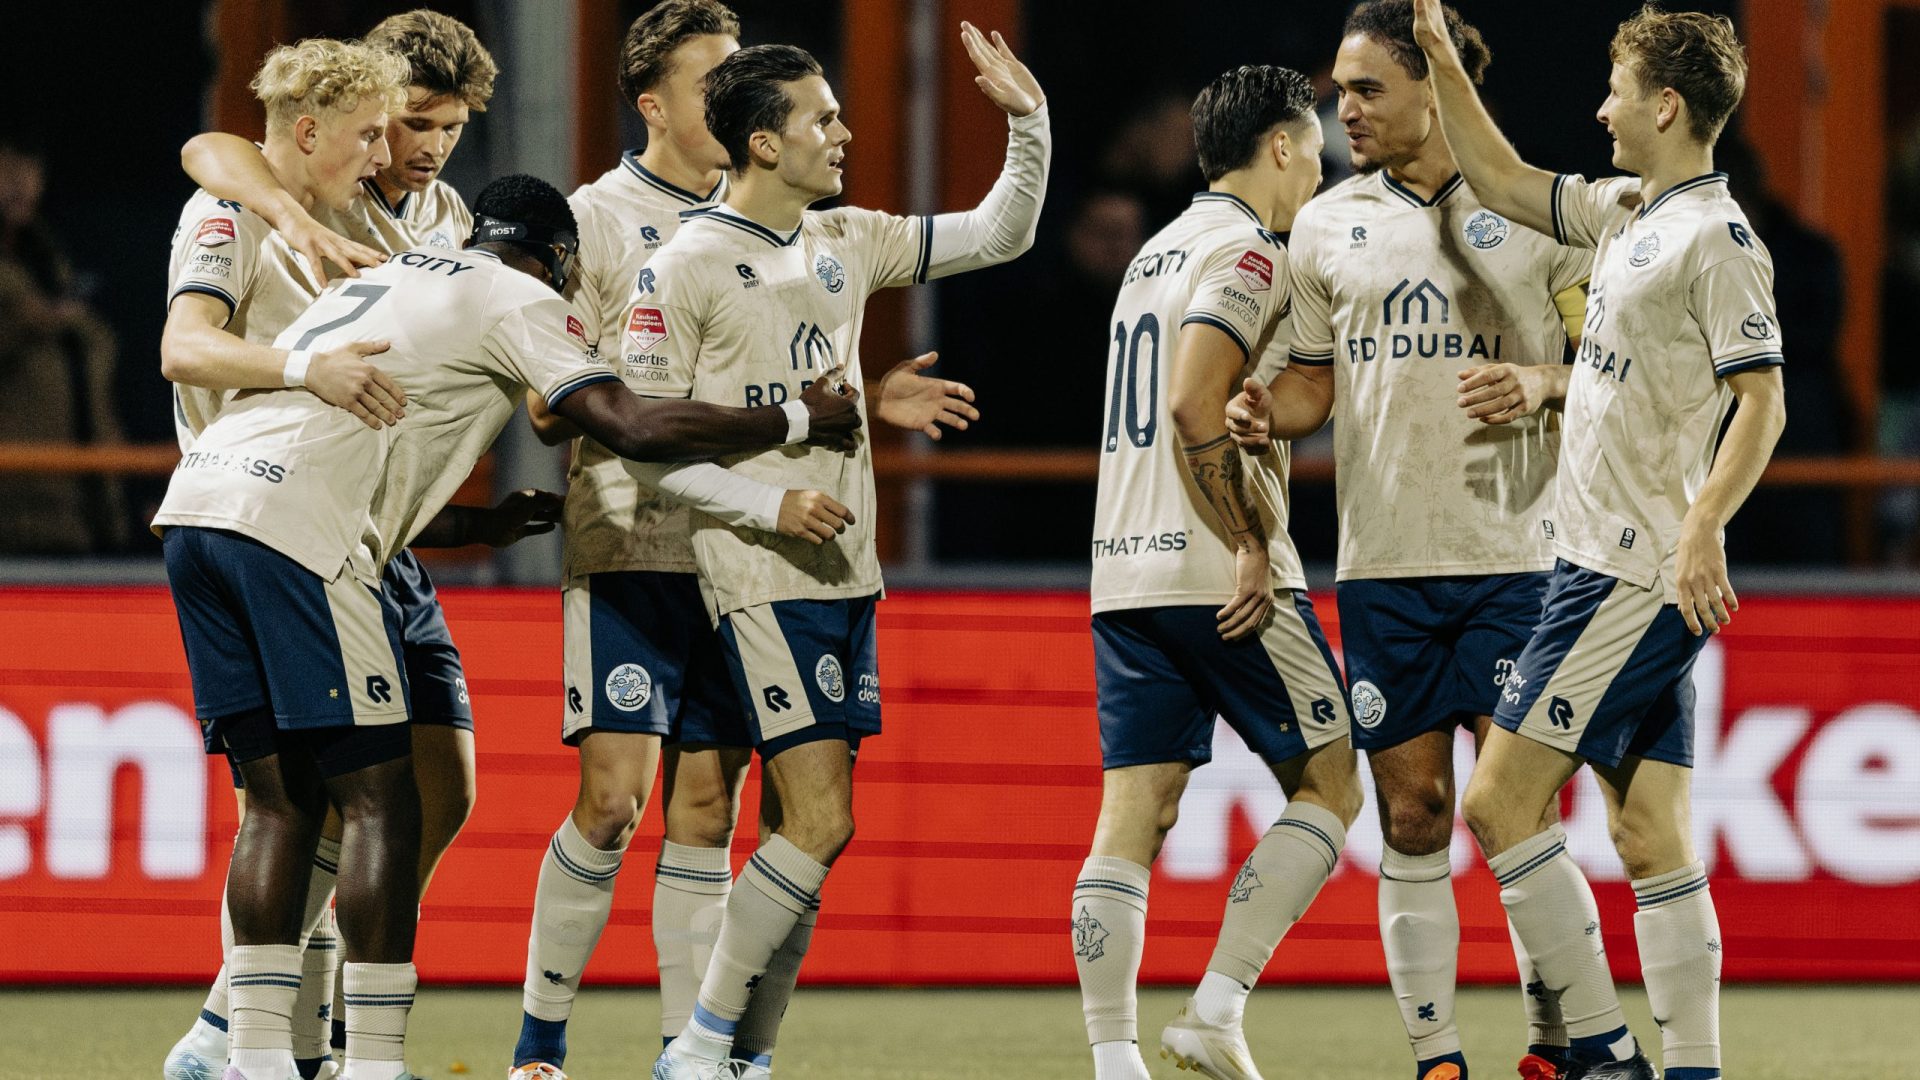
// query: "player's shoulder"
[[1717, 230], [1609, 194], [841, 221], [446, 196], [214, 222], [1312, 220]]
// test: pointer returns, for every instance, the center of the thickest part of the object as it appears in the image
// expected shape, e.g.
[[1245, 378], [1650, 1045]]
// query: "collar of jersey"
[[1229, 199], [727, 215], [1408, 194], [1684, 185], [631, 159], [396, 210]]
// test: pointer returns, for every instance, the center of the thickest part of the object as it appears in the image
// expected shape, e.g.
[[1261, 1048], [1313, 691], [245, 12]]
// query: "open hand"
[[315, 243], [1003, 78], [1430, 28], [913, 402], [1252, 593], [342, 378], [524, 513], [812, 516], [1503, 393], [1707, 602]]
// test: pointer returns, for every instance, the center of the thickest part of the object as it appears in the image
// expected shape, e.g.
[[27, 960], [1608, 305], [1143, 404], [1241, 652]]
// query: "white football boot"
[[1215, 1051]]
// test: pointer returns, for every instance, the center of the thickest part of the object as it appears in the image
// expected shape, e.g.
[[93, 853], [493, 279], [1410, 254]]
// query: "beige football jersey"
[[469, 336], [230, 253], [737, 314], [1156, 541], [612, 522], [437, 217], [1400, 294], [1682, 297]]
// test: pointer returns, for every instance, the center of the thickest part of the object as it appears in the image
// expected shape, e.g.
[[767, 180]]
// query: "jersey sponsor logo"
[[1359, 235], [1256, 270], [650, 236], [1431, 299], [1241, 304], [1323, 711], [1560, 713], [1502, 671], [216, 231], [1135, 545], [1740, 234], [1757, 326], [1486, 230], [645, 282], [646, 327], [244, 464], [1154, 264], [748, 279], [629, 687], [830, 679], [1425, 303], [833, 276], [776, 698], [577, 328], [379, 690], [1369, 704], [1645, 250], [1604, 360]]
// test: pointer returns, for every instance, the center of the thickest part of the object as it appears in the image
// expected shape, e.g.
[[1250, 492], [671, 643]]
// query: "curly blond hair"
[[447, 60], [1698, 55], [321, 74]]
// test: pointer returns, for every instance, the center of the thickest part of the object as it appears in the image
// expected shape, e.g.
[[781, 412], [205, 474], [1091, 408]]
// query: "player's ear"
[[1282, 147], [1667, 113], [764, 145], [650, 111], [306, 133]]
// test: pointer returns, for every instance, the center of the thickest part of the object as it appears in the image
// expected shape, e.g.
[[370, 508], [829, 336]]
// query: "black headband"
[[490, 230]]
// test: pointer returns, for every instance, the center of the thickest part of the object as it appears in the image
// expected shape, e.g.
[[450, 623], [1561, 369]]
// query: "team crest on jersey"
[[216, 231], [1256, 270], [1369, 705], [1645, 250], [646, 327], [1757, 326], [831, 274], [440, 239], [831, 680], [577, 328], [1486, 230], [629, 687]]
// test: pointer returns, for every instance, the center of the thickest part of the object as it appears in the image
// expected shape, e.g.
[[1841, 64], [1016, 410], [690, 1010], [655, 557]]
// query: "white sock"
[[1420, 931], [1551, 907], [690, 887], [779, 884], [379, 997], [1274, 887], [216, 1006], [1109, 934], [760, 1024], [313, 1006], [1119, 1059], [1679, 937], [262, 981], [1221, 1000], [1546, 1027], [571, 903]]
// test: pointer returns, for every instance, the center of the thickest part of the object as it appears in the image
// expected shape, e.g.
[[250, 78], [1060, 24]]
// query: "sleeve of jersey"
[[543, 345], [710, 489], [1571, 266], [1733, 303], [1003, 226], [1310, 325], [1580, 208], [660, 338], [1240, 291], [221, 256]]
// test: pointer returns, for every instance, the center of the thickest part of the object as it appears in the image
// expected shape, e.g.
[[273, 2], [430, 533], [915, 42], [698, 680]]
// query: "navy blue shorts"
[[436, 684], [1164, 673], [335, 751], [805, 670], [264, 633], [1428, 653], [1608, 675], [642, 657]]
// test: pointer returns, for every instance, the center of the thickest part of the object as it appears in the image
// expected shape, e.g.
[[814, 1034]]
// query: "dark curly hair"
[[1390, 22], [1237, 109], [528, 200]]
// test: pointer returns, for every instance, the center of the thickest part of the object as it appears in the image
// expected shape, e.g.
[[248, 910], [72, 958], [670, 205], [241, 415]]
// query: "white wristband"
[[797, 420], [295, 373]]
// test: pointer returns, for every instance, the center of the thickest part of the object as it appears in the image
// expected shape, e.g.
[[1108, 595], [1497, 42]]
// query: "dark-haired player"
[[276, 526], [751, 301], [1681, 324], [1427, 326]]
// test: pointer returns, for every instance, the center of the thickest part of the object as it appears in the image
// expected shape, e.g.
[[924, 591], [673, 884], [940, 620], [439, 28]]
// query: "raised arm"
[[1296, 404], [230, 167], [1500, 180], [1002, 227], [1706, 596], [196, 350], [661, 429], [1206, 362]]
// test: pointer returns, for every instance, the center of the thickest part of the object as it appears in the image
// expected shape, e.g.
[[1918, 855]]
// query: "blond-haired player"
[[449, 75], [751, 301], [1189, 548], [235, 284], [1681, 324]]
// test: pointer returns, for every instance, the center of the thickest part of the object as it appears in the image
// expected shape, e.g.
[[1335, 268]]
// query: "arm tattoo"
[[1217, 469]]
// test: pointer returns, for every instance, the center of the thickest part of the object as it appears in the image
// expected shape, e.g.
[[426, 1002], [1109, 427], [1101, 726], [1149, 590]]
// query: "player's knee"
[[1417, 823], [1480, 806], [1647, 847], [822, 832], [606, 818], [1343, 796], [701, 817]]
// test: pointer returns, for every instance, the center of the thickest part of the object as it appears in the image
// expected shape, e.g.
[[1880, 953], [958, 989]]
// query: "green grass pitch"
[[1770, 1033]]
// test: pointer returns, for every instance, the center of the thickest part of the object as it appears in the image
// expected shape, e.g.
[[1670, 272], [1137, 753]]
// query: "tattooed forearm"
[[1217, 469]]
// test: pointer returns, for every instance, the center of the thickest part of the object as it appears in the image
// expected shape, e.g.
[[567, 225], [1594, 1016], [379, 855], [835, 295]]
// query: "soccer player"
[[753, 299], [276, 525], [1189, 544], [1680, 325], [1402, 279], [402, 204]]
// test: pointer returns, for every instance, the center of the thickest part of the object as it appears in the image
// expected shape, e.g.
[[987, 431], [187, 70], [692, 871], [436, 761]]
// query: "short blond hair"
[[446, 59], [322, 74], [1699, 55]]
